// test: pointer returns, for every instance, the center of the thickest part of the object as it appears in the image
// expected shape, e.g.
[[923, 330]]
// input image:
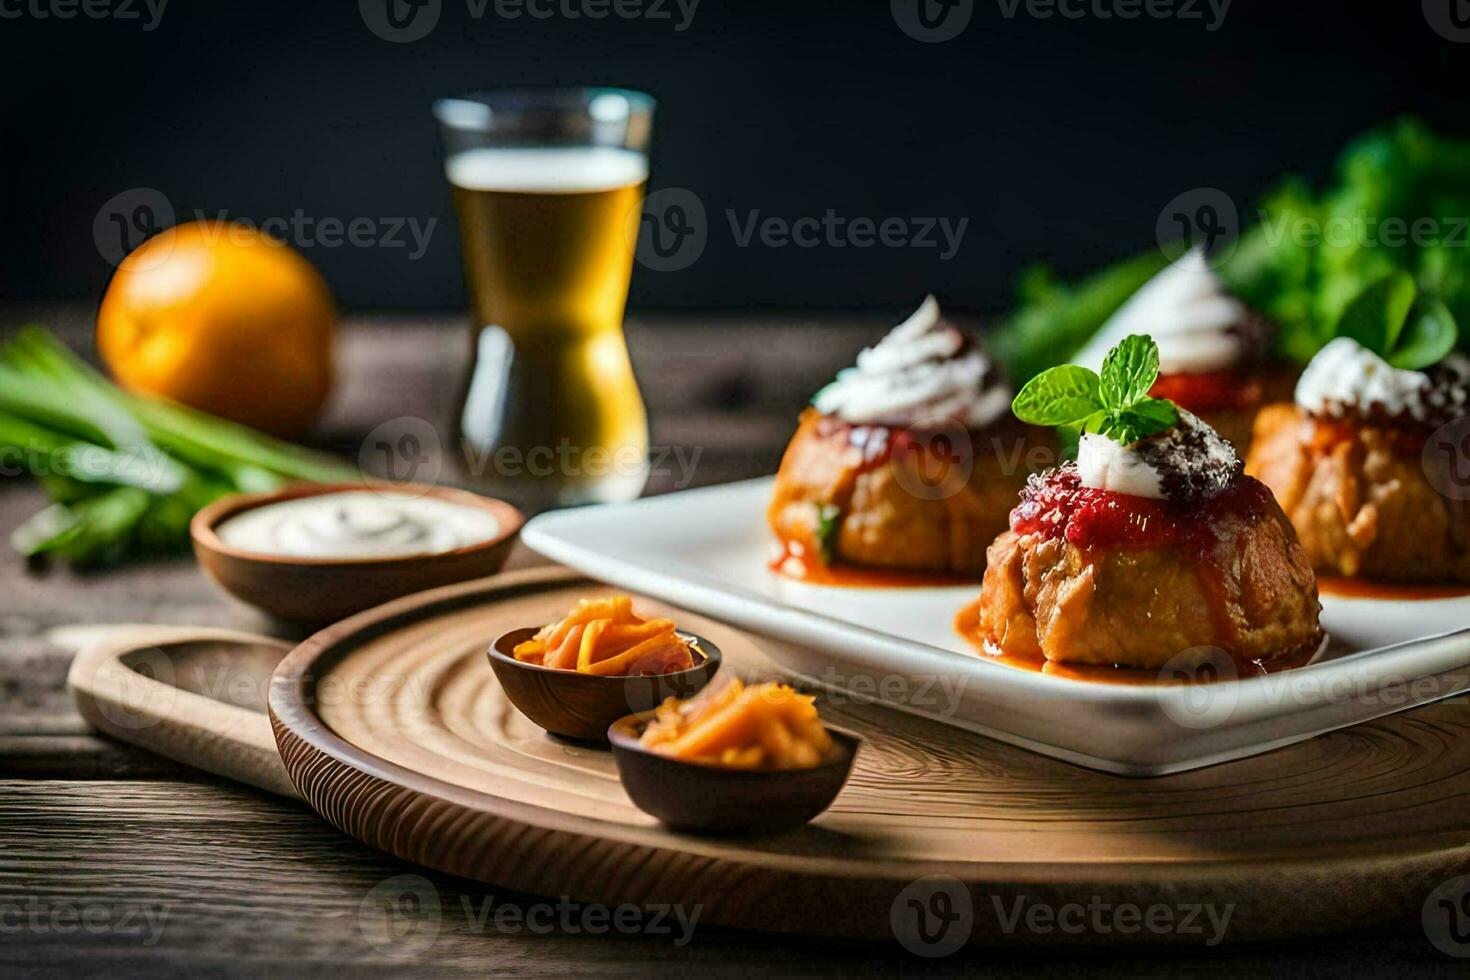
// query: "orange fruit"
[[225, 319]]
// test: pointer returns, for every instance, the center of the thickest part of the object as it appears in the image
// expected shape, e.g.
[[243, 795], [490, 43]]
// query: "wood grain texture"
[[427, 761], [191, 694], [255, 885], [260, 885]]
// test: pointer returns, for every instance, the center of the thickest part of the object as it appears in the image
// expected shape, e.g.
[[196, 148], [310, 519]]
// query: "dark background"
[[1059, 139]]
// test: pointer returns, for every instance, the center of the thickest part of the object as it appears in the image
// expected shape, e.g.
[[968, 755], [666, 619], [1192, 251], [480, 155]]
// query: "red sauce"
[[1210, 391], [1356, 588], [1055, 504], [796, 561], [967, 625]]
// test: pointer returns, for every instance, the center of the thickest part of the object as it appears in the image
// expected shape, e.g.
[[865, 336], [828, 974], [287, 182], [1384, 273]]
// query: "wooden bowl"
[[317, 591], [582, 706], [697, 796]]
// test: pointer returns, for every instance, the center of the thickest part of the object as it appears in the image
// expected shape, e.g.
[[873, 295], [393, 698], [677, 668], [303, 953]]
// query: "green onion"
[[125, 473], [45, 452]]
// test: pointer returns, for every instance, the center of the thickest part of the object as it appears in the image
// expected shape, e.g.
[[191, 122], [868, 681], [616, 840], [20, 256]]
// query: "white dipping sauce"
[[358, 524]]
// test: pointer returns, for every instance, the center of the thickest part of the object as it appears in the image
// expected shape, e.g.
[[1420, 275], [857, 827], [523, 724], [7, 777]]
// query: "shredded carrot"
[[765, 726], [605, 636]]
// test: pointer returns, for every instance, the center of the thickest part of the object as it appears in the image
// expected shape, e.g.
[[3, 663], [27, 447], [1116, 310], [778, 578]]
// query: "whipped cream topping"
[[1106, 465], [1188, 461], [924, 371], [1348, 379], [1186, 309]]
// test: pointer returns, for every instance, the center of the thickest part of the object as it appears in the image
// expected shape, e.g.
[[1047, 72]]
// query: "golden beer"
[[552, 414]]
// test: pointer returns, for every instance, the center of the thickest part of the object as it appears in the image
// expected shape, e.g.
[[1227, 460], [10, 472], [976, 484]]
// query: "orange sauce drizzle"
[[1356, 588], [967, 625], [797, 562]]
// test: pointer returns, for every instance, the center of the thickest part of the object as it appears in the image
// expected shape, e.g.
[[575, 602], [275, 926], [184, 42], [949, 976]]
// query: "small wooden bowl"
[[577, 705], [696, 796], [317, 591]]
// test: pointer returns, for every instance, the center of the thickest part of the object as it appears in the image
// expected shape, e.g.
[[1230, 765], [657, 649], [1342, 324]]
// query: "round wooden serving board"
[[392, 726]]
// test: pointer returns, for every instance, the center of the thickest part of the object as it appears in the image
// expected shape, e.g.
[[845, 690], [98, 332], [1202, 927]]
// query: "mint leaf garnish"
[[1116, 405], [1058, 396], [1160, 410], [1144, 419], [1129, 371]]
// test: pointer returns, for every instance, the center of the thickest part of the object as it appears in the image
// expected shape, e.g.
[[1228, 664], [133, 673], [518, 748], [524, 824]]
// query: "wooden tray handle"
[[193, 694]]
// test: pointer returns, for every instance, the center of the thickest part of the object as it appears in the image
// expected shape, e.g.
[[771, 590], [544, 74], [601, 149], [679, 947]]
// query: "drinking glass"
[[548, 188]]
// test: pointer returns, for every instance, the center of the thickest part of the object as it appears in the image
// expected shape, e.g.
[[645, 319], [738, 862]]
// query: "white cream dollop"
[[1346, 378], [358, 524], [1187, 311], [923, 372], [1187, 461], [1107, 465]]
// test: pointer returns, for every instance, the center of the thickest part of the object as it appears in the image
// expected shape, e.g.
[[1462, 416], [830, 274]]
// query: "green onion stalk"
[[125, 473]]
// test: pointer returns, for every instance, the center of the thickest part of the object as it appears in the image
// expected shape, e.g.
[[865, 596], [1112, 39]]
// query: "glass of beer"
[[548, 187]]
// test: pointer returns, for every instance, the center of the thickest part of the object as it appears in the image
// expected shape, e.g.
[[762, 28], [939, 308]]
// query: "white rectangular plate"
[[708, 550]]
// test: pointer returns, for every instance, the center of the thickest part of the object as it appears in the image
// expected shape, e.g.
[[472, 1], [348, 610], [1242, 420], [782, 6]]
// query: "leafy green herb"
[[1427, 338], [1131, 425], [1396, 205], [1061, 395], [1389, 318], [829, 522], [1129, 371], [1115, 404], [1376, 315]]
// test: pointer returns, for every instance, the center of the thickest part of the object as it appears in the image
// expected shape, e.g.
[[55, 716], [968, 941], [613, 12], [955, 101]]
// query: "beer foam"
[[547, 170]]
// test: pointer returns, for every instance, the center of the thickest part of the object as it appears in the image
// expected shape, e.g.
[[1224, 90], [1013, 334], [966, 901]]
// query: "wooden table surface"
[[115, 861]]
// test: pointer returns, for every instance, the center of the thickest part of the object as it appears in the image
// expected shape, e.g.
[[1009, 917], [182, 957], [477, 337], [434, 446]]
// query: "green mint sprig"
[[1115, 404]]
